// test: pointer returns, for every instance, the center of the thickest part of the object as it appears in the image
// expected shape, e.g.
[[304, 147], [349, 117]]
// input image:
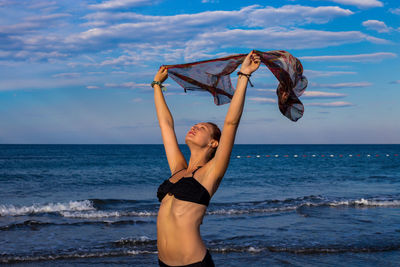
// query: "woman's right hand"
[[161, 75]]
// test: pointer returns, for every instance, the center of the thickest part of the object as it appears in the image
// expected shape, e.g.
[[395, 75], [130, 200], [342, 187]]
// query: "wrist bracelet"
[[163, 88], [247, 75]]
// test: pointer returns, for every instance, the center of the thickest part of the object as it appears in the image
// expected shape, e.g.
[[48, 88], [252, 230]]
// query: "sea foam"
[[11, 210], [105, 214]]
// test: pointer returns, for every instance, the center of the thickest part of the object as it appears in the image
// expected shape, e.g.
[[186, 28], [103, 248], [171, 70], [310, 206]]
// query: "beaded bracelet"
[[247, 75], [163, 88]]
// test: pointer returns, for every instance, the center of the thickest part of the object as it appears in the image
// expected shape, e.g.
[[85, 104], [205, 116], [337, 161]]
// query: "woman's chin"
[[188, 139]]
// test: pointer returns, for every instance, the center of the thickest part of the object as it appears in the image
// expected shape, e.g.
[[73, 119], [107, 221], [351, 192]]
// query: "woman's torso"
[[178, 225]]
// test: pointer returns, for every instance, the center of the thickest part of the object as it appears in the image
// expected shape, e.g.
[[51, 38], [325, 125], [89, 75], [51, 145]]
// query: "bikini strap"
[[196, 170], [177, 172]]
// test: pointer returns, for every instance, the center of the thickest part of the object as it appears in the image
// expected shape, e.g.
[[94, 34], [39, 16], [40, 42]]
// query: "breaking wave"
[[91, 209], [11, 210], [106, 214]]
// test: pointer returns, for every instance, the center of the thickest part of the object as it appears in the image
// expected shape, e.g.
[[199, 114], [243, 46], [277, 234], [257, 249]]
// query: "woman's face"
[[200, 133]]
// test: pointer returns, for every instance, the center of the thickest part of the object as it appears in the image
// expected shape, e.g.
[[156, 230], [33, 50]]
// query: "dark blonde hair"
[[216, 135]]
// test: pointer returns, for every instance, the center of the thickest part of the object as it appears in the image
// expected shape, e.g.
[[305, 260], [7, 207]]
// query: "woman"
[[185, 195]]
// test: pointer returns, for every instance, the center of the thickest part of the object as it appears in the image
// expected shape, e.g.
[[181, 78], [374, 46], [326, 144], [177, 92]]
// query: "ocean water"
[[278, 205]]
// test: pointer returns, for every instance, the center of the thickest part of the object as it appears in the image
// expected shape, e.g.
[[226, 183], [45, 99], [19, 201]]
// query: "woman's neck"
[[197, 158]]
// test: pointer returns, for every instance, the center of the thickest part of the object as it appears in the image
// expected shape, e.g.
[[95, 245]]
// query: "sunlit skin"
[[178, 222]]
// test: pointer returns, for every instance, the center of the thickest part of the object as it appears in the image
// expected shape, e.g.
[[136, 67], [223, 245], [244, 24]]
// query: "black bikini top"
[[187, 189]]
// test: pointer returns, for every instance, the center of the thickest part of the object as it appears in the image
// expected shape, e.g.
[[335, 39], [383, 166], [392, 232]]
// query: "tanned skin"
[[178, 222]]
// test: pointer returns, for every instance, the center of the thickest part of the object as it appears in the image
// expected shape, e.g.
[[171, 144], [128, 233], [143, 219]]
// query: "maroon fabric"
[[213, 76]]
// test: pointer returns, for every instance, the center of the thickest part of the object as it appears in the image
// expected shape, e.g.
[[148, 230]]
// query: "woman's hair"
[[216, 135]]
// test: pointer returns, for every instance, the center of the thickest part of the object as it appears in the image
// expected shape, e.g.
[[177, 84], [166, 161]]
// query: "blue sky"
[[79, 71]]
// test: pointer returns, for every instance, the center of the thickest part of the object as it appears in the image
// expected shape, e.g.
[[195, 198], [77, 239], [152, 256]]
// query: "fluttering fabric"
[[213, 76]]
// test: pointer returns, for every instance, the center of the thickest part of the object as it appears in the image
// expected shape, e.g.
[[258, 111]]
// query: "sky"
[[79, 72]]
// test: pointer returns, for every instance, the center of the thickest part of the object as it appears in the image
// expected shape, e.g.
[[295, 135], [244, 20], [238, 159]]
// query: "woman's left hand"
[[161, 75], [250, 63]]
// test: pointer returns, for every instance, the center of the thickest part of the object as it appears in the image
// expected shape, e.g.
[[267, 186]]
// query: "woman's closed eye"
[[199, 127]]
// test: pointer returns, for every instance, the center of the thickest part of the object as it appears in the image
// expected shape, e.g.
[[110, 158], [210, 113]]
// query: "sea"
[[277, 205]]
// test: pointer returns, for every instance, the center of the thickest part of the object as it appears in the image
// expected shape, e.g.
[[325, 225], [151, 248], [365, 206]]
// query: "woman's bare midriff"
[[178, 231]]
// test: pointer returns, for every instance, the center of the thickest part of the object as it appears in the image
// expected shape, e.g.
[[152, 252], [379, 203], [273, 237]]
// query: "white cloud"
[[395, 10], [337, 104], [32, 23], [342, 85], [129, 85], [19, 28], [50, 18], [319, 94], [276, 38], [118, 4], [360, 3], [26, 55], [316, 73], [191, 36], [203, 45], [138, 54], [9, 2], [92, 87], [294, 14], [376, 25], [253, 15], [375, 57], [41, 4], [123, 60]]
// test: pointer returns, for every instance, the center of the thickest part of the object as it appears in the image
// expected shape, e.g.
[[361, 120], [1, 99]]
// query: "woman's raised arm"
[[176, 160], [219, 163]]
